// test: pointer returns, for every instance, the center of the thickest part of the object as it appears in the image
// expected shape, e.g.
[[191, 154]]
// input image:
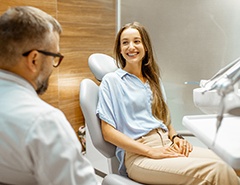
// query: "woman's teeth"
[[132, 54]]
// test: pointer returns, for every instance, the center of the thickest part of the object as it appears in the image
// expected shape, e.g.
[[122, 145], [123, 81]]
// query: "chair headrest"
[[101, 64]]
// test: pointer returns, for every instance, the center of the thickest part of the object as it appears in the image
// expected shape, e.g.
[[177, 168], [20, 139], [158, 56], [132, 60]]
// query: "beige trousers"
[[202, 167]]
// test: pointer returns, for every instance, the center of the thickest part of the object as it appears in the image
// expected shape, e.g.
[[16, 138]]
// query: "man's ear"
[[32, 61]]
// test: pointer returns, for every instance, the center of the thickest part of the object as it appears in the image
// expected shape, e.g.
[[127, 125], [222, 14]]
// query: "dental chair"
[[101, 64]]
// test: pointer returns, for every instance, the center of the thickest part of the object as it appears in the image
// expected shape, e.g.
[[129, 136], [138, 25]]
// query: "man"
[[37, 143]]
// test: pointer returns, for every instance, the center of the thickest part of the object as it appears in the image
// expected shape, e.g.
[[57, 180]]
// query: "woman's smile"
[[132, 48], [132, 54]]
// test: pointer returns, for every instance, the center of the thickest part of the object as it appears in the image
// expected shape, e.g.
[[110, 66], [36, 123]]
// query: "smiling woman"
[[136, 119], [132, 49]]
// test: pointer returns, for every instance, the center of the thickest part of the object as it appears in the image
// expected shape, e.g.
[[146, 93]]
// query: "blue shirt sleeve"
[[105, 104]]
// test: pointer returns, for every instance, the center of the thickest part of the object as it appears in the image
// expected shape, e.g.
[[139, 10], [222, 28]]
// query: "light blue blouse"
[[125, 103]]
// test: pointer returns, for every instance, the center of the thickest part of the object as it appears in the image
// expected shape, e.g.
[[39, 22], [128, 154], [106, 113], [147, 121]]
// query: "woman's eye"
[[137, 41], [124, 42]]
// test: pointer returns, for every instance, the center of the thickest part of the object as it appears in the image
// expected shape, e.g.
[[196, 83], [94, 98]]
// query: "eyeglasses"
[[57, 56]]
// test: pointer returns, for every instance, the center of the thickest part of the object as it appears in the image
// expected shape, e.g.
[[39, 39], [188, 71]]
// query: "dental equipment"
[[223, 82], [224, 72]]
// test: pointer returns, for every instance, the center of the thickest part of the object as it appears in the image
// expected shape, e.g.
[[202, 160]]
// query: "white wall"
[[192, 39]]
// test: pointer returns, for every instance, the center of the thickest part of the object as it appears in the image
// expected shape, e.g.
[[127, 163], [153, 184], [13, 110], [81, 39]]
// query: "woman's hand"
[[183, 146], [164, 152]]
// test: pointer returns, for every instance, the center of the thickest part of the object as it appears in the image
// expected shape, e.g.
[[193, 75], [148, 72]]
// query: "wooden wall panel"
[[88, 27], [49, 6]]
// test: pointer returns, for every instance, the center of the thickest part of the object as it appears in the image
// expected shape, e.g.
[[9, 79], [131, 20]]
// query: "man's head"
[[29, 43]]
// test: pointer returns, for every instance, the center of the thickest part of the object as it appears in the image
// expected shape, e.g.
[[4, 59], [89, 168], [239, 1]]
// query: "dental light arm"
[[228, 70], [226, 84], [223, 82]]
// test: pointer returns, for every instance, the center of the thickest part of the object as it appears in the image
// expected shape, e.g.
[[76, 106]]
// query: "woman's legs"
[[201, 167]]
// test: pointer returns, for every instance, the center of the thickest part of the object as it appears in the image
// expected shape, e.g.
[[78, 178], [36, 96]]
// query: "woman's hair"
[[24, 28], [150, 70]]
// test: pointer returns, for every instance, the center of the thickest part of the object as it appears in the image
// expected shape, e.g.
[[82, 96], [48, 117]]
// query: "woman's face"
[[131, 45]]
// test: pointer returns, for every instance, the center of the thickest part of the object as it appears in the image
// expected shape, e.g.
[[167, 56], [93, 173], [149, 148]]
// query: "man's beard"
[[42, 86]]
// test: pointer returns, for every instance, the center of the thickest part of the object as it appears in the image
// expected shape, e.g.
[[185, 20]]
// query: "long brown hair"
[[150, 70]]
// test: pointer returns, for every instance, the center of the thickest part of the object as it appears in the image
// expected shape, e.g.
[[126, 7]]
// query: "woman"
[[135, 118]]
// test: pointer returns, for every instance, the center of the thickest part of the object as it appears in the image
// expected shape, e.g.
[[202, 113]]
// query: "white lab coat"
[[37, 143]]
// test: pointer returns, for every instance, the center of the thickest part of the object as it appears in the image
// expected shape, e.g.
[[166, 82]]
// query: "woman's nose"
[[131, 45]]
